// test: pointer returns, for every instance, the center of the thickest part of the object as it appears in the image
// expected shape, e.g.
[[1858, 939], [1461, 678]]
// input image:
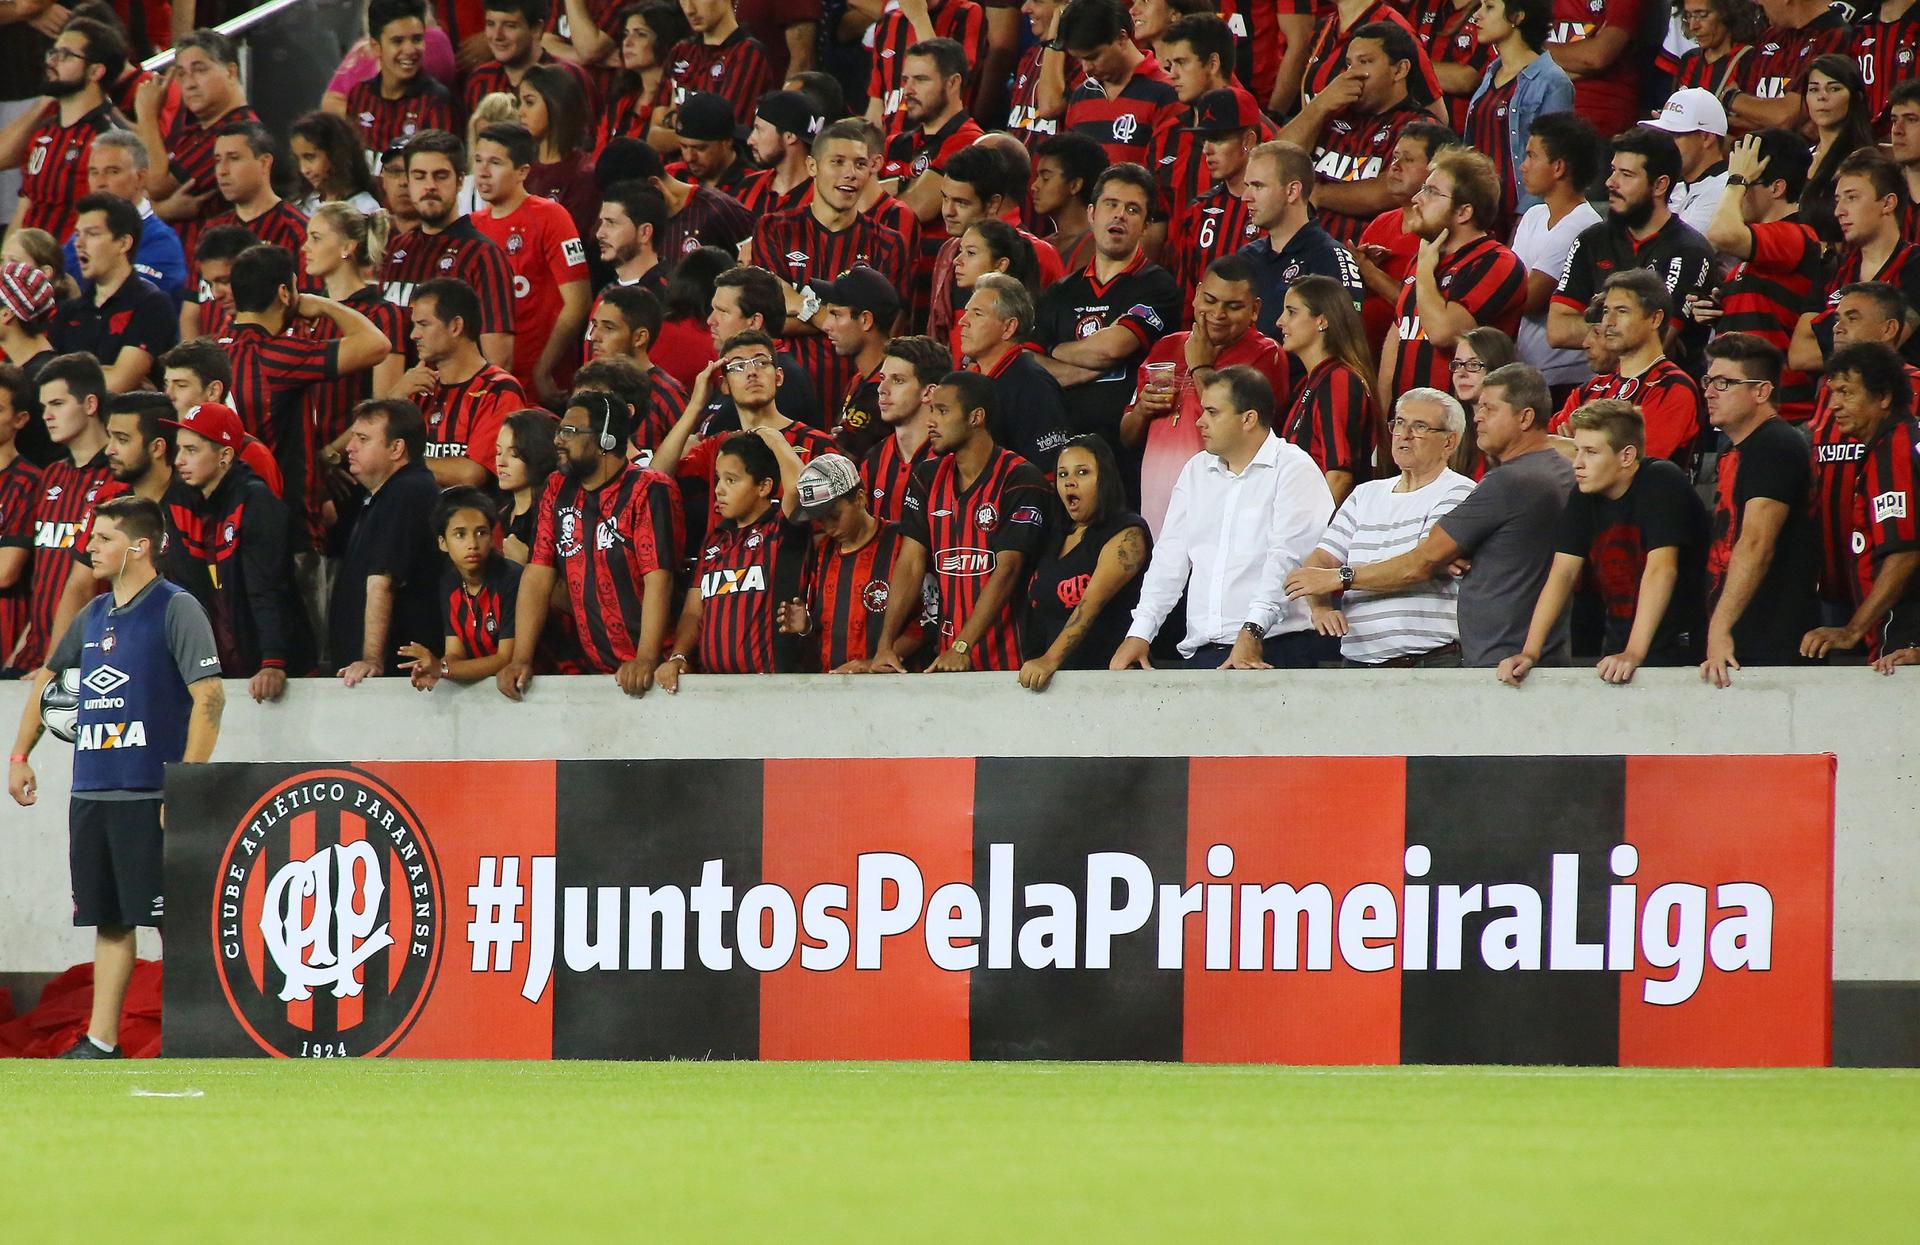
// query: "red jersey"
[[710, 217], [1327, 54], [1335, 420], [423, 105], [53, 174], [463, 419], [1778, 68], [1355, 146], [1179, 161], [1024, 121], [745, 573], [762, 198], [1669, 401], [797, 248], [911, 152], [62, 514], [280, 225], [491, 77], [847, 592], [1205, 229], [1886, 52], [270, 378], [736, 69], [1447, 32], [1389, 229], [461, 251], [963, 21], [966, 531], [885, 472], [19, 490], [1695, 70], [481, 619], [1260, 42], [190, 158], [1885, 515], [1486, 131], [628, 114], [604, 542], [544, 253], [1484, 277], [1766, 294], [1611, 98], [666, 401], [1124, 124]]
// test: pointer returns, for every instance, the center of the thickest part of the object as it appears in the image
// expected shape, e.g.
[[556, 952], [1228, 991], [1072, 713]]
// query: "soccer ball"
[[60, 705]]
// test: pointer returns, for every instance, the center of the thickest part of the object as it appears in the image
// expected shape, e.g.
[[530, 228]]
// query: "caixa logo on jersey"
[[327, 917]]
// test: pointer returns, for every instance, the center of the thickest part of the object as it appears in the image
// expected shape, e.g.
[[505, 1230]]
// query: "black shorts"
[[115, 856]]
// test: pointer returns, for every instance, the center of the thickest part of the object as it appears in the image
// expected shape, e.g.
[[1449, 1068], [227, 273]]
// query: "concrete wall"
[[1863, 718]]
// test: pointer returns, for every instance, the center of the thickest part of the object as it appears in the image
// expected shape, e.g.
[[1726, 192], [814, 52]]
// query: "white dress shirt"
[[1230, 541]]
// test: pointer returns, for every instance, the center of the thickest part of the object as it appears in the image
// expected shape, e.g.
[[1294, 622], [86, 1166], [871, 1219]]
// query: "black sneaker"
[[85, 1049]]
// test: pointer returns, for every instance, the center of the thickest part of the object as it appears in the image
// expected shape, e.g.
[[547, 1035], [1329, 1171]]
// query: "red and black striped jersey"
[[1336, 421], [1766, 294], [1695, 70], [1836, 466], [464, 418], [963, 21], [604, 542], [329, 404], [1782, 57], [1259, 41], [1669, 400], [1024, 121], [458, 251], [763, 199], [53, 171], [1885, 51], [1610, 97], [270, 376], [912, 151], [1179, 159], [667, 401], [894, 216], [1486, 131], [797, 248], [628, 114], [697, 468], [1446, 31], [1124, 124], [709, 218], [1902, 271], [19, 491], [966, 530], [1327, 54], [62, 514], [190, 158], [745, 572], [885, 471], [1355, 146], [381, 122], [1205, 229], [736, 69], [280, 225], [482, 617], [1484, 277], [847, 594], [1886, 509]]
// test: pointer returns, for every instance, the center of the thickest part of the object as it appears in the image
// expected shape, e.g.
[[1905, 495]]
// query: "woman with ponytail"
[[1336, 416]]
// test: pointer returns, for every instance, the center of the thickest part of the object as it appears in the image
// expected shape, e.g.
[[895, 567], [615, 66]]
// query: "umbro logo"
[[105, 680]]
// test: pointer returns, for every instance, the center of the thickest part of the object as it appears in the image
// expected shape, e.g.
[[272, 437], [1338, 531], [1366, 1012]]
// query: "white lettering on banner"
[[1681, 929], [326, 946]]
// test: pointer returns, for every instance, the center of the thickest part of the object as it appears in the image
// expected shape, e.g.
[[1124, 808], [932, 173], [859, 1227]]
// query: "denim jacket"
[[1542, 87]]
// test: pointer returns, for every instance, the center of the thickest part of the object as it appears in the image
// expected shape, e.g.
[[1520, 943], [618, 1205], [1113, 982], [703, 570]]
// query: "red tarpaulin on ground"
[[61, 1016]]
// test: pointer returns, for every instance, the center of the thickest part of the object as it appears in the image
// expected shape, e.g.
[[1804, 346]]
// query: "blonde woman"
[[492, 109]]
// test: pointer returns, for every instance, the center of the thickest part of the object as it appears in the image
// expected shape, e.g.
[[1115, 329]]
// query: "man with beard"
[[821, 241], [206, 68], [465, 399], [781, 142], [1635, 312], [937, 126], [861, 307], [400, 101], [447, 245], [994, 327], [631, 217], [82, 63], [140, 448], [1462, 278], [626, 322], [122, 319], [1386, 249], [613, 530], [550, 286], [236, 552], [1098, 322], [1278, 184], [1639, 232], [709, 146]]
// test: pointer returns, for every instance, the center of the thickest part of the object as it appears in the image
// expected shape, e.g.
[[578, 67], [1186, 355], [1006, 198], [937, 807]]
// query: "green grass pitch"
[[354, 1152]]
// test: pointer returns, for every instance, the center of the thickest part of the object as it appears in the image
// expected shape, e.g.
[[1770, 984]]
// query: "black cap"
[[706, 118], [791, 112], [862, 289], [1225, 111]]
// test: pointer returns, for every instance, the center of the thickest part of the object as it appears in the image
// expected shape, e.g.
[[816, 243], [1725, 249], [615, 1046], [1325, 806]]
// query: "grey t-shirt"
[[1507, 527]]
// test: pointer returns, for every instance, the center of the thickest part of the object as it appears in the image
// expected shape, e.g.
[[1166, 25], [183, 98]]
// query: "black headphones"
[[606, 409]]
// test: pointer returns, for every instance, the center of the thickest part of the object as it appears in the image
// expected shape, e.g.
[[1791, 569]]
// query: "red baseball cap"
[[216, 422]]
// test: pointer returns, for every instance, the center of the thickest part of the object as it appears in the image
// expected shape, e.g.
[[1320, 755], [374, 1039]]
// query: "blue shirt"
[[1311, 251]]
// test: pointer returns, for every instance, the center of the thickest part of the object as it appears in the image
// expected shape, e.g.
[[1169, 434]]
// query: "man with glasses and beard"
[[81, 65], [613, 530]]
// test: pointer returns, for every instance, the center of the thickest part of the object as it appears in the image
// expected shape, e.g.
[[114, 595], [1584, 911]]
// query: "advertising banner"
[[1671, 910]]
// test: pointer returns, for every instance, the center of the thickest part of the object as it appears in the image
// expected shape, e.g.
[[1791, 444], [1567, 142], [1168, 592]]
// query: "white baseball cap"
[[1691, 111]]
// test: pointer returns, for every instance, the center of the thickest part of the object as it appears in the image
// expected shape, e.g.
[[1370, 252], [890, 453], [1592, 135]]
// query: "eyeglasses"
[[1720, 384], [754, 363], [1427, 188], [63, 54], [1412, 428], [1469, 366], [568, 430]]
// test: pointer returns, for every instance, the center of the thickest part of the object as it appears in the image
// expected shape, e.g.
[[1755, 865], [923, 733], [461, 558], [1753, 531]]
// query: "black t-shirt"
[[1033, 414], [1677, 252], [137, 314], [1615, 535], [1061, 579], [392, 536], [1144, 298], [1772, 463]]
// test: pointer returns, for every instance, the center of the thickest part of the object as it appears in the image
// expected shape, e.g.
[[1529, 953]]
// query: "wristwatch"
[[1054, 45], [1346, 577], [809, 303], [961, 647]]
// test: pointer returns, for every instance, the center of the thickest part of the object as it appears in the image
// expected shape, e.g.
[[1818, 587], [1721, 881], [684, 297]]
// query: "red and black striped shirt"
[[1696, 71], [1024, 121], [1782, 57], [797, 248], [1836, 469], [966, 530], [1902, 271], [763, 199], [458, 251], [847, 593], [423, 105], [480, 620], [491, 77], [1179, 158], [1766, 294], [1335, 421], [1886, 515], [667, 401], [54, 171], [1669, 401], [628, 114], [963, 21], [604, 542], [911, 152], [1486, 131], [1447, 34], [271, 376], [463, 419], [885, 472], [1327, 54], [19, 492], [1124, 124], [1885, 51], [744, 574], [280, 225], [709, 218], [329, 404], [190, 158], [1484, 277], [1355, 146], [62, 514], [736, 69], [1205, 229]]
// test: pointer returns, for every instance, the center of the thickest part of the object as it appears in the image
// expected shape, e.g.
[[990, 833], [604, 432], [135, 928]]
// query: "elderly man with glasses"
[[1416, 625]]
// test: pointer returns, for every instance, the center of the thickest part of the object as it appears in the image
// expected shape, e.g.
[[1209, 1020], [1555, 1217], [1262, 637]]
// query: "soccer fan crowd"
[[658, 338]]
